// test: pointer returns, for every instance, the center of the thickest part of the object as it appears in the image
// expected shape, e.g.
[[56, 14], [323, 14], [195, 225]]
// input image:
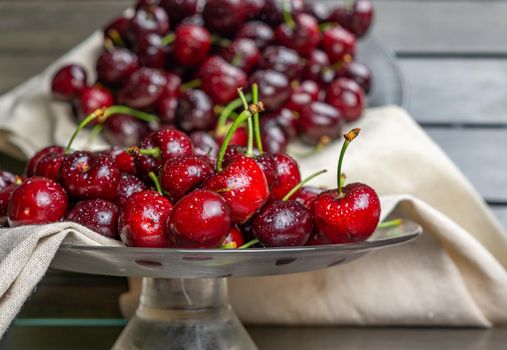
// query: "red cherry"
[[242, 53], [307, 194], [259, 32], [200, 219], [124, 130], [318, 120], [167, 108], [118, 30], [205, 145], [287, 175], [5, 197], [339, 44], [143, 222], [239, 138], [115, 65], [253, 7], [360, 73], [151, 50], [179, 9], [317, 68], [305, 93], [274, 88], [49, 166], [346, 96], [303, 36], [195, 111], [283, 60], [180, 175], [191, 45], [362, 17], [274, 139], [234, 238], [267, 163], [318, 10], [87, 175], [143, 89], [317, 238], [149, 19], [49, 150], [128, 186], [7, 179], [93, 98], [69, 82], [96, 214], [224, 16], [124, 160], [273, 10], [37, 201], [173, 143], [243, 186]]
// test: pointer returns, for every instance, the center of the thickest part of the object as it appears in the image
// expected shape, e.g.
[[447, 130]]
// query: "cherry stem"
[[323, 142], [390, 223], [102, 114], [154, 178], [249, 244], [287, 14], [168, 39], [190, 84], [249, 148], [302, 183], [96, 130], [218, 40], [228, 110], [116, 37], [326, 25], [351, 135], [257, 129], [229, 245], [154, 152], [236, 60]]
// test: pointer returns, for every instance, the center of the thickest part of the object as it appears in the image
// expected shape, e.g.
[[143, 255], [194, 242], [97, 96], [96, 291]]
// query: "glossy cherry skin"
[[274, 139], [318, 10], [69, 82], [343, 16], [6, 179], [146, 163], [124, 130], [287, 176], [346, 96], [87, 175], [221, 80], [49, 165], [240, 136], [143, 223], [282, 60], [5, 196], [179, 9], [180, 175], [125, 162], [118, 27], [149, 19], [262, 34], [307, 194], [304, 38], [351, 217], [151, 50], [205, 146], [287, 119], [317, 238], [201, 219], [318, 69], [30, 167], [362, 17], [195, 111], [224, 16], [339, 44], [98, 215], [234, 238], [283, 224], [253, 7], [115, 65], [143, 89], [243, 186], [267, 163], [191, 45], [128, 186], [317, 120], [304, 94], [167, 108], [36, 201], [360, 73], [173, 143], [93, 98], [273, 10], [274, 88], [243, 54]]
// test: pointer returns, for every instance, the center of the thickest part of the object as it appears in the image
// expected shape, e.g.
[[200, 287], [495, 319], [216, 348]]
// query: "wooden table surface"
[[453, 55]]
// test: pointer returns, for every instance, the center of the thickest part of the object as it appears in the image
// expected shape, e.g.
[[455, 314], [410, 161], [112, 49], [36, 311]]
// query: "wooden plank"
[[15, 69], [479, 153], [457, 90]]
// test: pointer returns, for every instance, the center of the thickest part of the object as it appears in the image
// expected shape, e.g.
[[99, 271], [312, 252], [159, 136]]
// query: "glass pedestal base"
[[184, 314]]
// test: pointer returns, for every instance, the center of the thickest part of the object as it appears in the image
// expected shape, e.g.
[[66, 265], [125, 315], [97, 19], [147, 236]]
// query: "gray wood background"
[[454, 58]]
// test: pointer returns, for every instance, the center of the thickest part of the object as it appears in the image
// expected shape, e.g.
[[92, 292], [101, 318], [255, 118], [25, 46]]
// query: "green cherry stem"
[[154, 178], [302, 183], [116, 38], [168, 39], [249, 244], [351, 135], [287, 14], [230, 245], [190, 85], [228, 110], [218, 40], [99, 113], [390, 223], [153, 152], [96, 130], [257, 129], [249, 148]]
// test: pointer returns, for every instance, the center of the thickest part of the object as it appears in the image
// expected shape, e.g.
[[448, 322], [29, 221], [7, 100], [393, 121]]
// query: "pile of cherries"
[[183, 60], [174, 190]]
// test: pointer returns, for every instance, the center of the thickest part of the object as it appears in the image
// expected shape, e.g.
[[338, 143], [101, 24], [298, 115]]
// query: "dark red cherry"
[[179, 9], [201, 219], [234, 238], [307, 194], [191, 45], [243, 185], [69, 82], [30, 167], [221, 80], [173, 86], [123, 160], [242, 53], [317, 238], [273, 10], [87, 175], [195, 111], [267, 163], [287, 176], [115, 65], [318, 10], [304, 37], [224, 16], [318, 120], [274, 88], [151, 50], [147, 163], [274, 139], [343, 16], [149, 19], [304, 94], [118, 31], [6, 179], [318, 69], [167, 108], [346, 96], [240, 136], [339, 44], [259, 32], [93, 98], [124, 130], [350, 217], [5, 197], [49, 166], [37, 201], [282, 60], [283, 224], [143, 223], [143, 89], [180, 175], [287, 119], [98, 215], [253, 7], [173, 143], [360, 73], [128, 186], [362, 16], [205, 146]]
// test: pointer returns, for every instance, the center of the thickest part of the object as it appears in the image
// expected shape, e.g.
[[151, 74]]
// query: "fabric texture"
[[452, 275]]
